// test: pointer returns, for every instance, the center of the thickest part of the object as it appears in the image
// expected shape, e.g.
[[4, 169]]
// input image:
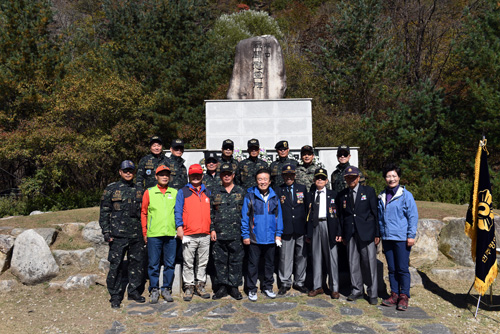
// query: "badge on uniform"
[[169, 196], [345, 204], [300, 195], [330, 209], [148, 172], [238, 197], [117, 196], [332, 201], [363, 197], [283, 199]]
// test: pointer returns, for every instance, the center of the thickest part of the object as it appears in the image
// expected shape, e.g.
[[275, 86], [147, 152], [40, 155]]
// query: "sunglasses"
[[344, 155], [321, 178]]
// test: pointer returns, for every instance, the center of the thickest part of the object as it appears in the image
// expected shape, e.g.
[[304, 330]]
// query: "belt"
[[322, 219]]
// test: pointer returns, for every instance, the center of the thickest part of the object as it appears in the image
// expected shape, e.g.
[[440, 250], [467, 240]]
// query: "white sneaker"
[[252, 296], [270, 294]]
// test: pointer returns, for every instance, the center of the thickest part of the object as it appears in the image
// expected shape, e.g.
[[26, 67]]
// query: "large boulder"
[[92, 233], [81, 258], [454, 244], [49, 234], [72, 229], [6, 244], [32, 261], [425, 250]]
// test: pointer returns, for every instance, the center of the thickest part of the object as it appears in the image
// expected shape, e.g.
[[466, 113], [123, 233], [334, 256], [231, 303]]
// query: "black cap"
[[320, 172], [228, 143], [211, 159], [177, 143], [253, 143], [226, 167], [288, 169], [155, 139], [306, 148], [344, 148], [282, 145]]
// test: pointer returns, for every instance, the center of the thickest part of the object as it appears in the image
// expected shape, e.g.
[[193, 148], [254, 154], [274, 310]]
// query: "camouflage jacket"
[[211, 182], [338, 180], [233, 162], [178, 172], [146, 170], [120, 214], [276, 166], [225, 212], [305, 174], [245, 174]]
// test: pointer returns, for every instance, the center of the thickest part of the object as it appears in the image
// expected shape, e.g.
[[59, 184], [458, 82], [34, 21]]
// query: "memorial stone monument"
[[259, 70]]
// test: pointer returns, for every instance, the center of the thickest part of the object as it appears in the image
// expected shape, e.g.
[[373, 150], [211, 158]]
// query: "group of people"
[[238, 214]]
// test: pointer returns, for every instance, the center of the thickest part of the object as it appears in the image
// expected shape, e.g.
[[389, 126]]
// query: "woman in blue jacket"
[[398, 218]]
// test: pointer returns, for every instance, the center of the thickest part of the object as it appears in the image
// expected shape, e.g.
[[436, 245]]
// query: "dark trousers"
[[397, 255], [255, 251], [228, 261], [156, 247], [134, 249]]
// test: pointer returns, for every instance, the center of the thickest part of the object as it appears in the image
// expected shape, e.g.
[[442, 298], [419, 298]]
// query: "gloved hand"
[[278, 242], [107, 237]]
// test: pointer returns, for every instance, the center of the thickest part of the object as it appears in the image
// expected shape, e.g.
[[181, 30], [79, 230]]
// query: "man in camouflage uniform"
[[147, 165], [227, 155], [247, 169], [226, 202], [306, 167], [178, 170], [337, 179], [121, 226], [283, 149], [211, 178]]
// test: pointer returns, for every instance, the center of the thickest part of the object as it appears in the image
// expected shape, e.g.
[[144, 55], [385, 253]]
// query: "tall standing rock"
[[425, 251], [6, 244], [259, 70], [32, 262]]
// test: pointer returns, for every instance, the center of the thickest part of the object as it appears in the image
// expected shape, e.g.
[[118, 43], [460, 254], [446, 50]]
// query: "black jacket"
[[363, 218], [294, 213], [334, 226]]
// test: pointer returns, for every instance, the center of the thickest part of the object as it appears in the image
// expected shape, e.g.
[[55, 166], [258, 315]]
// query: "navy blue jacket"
[[334, 227], [294, 212]]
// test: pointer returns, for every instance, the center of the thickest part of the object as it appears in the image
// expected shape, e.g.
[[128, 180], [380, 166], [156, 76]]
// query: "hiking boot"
[[154, 296], [235, 293], [137, 297], [115, 303], [221, 293], [402, 302], [188, 293], [200, 291], [392, 300], [167, 295]]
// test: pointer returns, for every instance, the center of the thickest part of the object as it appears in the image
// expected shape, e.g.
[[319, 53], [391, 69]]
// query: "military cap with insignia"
[[211, 159], [282, 145], [155, 139], [228, 143], [320, 172], [253, 143], [351, 170], [343, 148], [127, 164], [177, 143], [288, 169], [225, 167], [306, 148]]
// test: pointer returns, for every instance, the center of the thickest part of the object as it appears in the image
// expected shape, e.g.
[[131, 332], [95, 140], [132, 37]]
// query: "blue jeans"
[[397, 255], [155, 247]]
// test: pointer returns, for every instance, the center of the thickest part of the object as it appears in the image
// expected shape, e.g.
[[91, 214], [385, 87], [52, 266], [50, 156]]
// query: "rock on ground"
[[92, 232], [467, 274], [72, 229], [81, 258], [6, 244], [79, 281], [425, 251], [32, 262], [7, 285], [454, 244], [48, 234]]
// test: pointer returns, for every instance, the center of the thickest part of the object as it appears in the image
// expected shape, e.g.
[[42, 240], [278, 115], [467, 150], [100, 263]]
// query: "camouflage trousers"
[[134, 249], [228, 261]]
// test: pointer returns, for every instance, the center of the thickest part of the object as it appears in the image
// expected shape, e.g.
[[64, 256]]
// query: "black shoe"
[[352, 297], [373, 301], [301, 288], [137, 297], [115, 304], [282, 291], [221, 293], [235, 293]]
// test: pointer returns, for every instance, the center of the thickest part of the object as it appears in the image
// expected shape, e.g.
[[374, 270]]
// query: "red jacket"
[[192, 210]]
